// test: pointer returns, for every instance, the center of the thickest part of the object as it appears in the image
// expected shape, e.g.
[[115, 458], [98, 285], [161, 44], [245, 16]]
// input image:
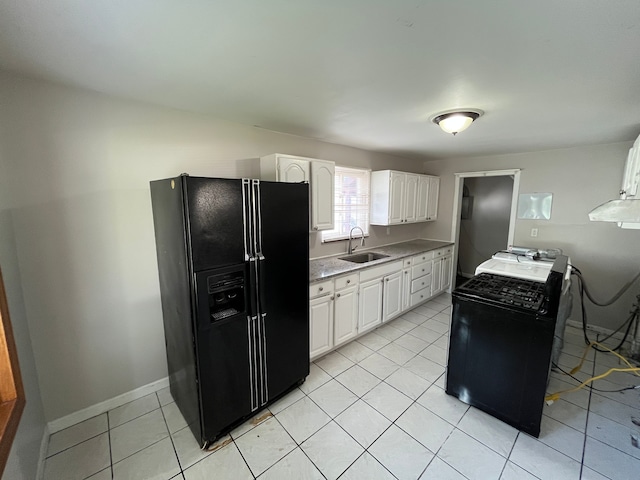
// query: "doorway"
[[484, 214]]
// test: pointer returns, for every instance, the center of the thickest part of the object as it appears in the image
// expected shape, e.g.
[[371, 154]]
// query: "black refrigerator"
[[233, 261]]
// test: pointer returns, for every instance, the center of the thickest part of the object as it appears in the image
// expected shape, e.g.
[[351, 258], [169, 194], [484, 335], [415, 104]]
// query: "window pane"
[[351, 202]]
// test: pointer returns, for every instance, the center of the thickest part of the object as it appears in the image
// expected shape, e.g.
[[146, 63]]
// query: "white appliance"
[[517, 266]]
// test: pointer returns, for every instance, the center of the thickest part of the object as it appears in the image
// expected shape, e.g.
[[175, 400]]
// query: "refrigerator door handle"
[[253, 362], [254, 288], [257, 227], [247, 218], [262, 386], [261, 264]]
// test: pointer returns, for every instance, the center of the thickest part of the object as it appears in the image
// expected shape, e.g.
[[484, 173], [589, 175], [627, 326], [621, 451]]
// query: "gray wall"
[[580, 179], [78, 167], [23, 458], [487, 229]]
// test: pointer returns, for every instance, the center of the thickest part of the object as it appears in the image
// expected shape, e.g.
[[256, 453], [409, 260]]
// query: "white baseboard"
[[98, 408], [44, 445], [595, 329]]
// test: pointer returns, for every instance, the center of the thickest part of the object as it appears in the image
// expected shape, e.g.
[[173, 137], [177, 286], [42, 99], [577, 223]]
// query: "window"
[[351, 206]]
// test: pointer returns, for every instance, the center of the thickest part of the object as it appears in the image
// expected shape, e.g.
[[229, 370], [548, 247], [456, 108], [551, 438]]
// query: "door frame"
[[457, 205]]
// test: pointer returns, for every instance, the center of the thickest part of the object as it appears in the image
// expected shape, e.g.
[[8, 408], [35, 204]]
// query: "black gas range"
[[500, 344]]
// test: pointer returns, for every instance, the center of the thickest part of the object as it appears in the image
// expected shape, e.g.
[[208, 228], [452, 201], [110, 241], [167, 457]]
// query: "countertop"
[[327, 267]]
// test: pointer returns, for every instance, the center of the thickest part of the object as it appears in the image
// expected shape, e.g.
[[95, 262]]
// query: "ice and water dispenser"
[[226, 293]]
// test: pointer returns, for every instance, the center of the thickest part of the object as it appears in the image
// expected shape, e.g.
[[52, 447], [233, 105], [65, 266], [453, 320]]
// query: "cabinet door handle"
[[406, 273], [348, 281], [320, 289], [338, 295], [331, 297], [386, 279], [315, 228]]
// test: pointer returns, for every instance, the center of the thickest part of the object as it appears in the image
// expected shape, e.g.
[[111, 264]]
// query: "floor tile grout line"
[[509, 455], [110, 450], [173, 445], [586, 425], [233, 442], [76, 444], [299, 445], [142, 449]]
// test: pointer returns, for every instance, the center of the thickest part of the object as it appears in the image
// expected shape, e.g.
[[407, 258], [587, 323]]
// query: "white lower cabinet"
[[370, 305], [446, 272], [345, 315], [352, 304], [392, 296], [406, 289], [320, 325], [441, 275], [436, 277]]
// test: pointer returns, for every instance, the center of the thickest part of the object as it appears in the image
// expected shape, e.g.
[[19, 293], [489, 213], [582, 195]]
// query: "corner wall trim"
[[98, 408], [44, 446]]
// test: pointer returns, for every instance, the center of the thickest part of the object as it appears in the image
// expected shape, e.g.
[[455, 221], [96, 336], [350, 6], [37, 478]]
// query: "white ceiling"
[[365, 73]]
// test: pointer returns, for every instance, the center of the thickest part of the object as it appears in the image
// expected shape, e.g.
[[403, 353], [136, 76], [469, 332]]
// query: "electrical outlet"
[[534, 232]]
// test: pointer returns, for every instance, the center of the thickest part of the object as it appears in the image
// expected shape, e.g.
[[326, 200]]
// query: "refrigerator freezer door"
[[283, 274], [216, 222], [223, 352]]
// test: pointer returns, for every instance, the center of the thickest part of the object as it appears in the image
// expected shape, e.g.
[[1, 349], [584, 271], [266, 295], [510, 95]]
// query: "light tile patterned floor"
[[374, 409]]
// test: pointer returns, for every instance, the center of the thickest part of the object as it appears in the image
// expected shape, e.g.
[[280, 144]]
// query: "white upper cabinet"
[[410, 197], [400, 197], [293, 170], [396, 197], [322, 194], [423, 198], [432, 202], [319, 174]]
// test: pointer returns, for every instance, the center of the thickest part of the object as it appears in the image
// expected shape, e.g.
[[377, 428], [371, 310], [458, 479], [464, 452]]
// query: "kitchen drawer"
[[423, 257], [421, 283], [442, 252], [380, 271], [407, 262], [421, 270], [318, 289], [420, 296], [346, 281]]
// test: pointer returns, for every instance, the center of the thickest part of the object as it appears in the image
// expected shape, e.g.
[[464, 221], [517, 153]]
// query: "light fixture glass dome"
[[456, 121]]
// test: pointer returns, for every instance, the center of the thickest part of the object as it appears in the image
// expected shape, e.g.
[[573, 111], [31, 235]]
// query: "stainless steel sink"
[[363, 257]]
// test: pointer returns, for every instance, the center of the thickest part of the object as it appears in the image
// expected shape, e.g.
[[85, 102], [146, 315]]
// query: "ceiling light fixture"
[[455, 121]]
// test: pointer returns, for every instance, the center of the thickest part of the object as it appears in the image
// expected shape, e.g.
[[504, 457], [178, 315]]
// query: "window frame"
[[12, 399], [338, 191]]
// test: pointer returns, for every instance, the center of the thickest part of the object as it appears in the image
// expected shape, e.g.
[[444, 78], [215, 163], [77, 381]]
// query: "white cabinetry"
[[370, 305], [441, 274], [293, 170], [410, 197], [399, 197], [392, 296], [320, 318], [345, 314], [446, 272], [372, 294], [432, 202], [421, 278], [318, 173], [322, 194], [406, 285]]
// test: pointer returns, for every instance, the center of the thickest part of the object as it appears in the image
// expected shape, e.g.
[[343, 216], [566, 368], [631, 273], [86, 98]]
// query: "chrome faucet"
[[351, 249]]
